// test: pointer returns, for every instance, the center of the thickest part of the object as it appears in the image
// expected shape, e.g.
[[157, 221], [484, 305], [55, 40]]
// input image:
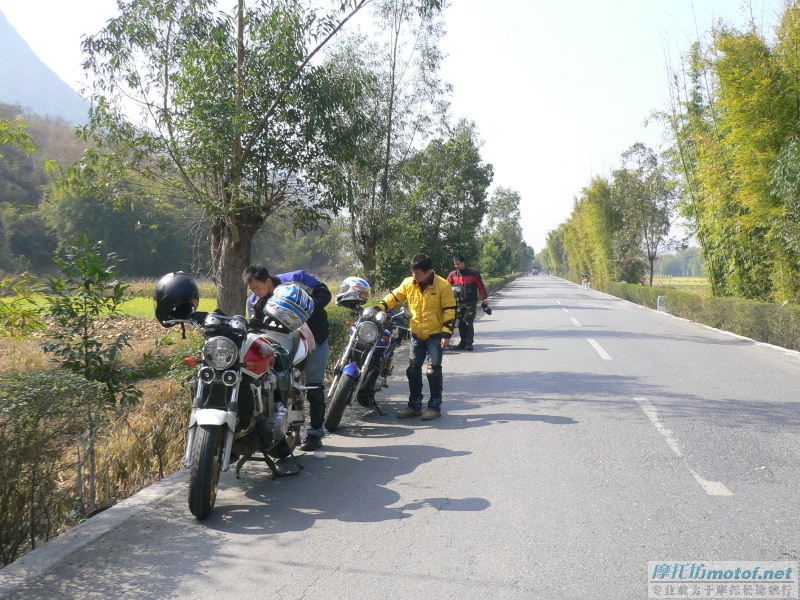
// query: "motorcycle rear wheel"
[[338, 402], [206, 465]]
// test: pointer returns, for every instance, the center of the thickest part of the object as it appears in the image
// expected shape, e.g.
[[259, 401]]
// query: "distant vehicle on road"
[[534, 271]]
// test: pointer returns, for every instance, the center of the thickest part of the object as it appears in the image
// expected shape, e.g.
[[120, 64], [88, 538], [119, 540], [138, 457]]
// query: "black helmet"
[[176, 296]]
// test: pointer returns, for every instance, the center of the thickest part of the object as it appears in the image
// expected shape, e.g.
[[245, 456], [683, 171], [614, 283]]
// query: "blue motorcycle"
[[366, 362]]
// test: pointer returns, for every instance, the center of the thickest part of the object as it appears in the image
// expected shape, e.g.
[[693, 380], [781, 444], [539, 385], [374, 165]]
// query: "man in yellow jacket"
[[433, 310]]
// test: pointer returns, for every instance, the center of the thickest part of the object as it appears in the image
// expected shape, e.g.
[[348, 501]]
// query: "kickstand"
[[240, 463], [377, 407], [278, 470]]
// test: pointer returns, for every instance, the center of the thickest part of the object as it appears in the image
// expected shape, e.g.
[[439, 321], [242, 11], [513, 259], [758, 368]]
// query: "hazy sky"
[[558, 88]]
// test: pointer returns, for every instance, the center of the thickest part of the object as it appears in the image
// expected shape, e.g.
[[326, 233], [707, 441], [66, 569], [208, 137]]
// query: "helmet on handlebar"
[[353, 291], [176, 297], [290, 305]]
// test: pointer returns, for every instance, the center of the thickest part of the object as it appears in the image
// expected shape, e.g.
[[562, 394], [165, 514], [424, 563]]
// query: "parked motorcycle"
[[247, 394], [367, 361]]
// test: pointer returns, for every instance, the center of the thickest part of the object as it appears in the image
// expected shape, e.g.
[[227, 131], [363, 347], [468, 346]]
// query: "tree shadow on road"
[[349, 484], [606, 392]]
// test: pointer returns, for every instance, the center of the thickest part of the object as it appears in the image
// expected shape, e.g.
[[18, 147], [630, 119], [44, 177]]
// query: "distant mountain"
[[27, 81]]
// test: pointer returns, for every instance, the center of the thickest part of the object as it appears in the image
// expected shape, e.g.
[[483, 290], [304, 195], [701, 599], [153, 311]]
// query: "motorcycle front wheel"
[[206, 464], [338, 402]]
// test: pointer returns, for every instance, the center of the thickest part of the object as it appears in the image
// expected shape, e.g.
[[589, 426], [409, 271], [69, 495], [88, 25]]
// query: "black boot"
[[435, 385], [414, 374], [316, 406]]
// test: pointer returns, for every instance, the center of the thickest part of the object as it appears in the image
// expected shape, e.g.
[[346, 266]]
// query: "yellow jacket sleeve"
[[448, 308], [393, 298]]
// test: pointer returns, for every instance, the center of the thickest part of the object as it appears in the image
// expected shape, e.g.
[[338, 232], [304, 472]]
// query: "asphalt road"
[[584, 437]]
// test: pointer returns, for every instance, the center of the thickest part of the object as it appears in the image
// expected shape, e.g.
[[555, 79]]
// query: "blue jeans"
[[420, 349]]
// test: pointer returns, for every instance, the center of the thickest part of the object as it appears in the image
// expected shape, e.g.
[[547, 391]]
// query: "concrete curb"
[[41, 559], [792, 353]]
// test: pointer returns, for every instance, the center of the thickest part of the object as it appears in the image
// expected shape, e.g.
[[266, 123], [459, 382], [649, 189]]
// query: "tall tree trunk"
[[367, 257], [231, 246]]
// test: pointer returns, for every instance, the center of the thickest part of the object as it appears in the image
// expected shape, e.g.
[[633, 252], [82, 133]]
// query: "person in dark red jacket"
[[468, 286]]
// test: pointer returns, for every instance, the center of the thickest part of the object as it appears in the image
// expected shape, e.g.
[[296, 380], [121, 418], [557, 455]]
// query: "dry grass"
[[144, 442], [137, 445], [679, 281], [696, 285], [23, 355], [26, 354]]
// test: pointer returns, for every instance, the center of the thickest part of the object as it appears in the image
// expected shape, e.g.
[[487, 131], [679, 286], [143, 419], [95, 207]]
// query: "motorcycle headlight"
[[220, 353], [367, 332]]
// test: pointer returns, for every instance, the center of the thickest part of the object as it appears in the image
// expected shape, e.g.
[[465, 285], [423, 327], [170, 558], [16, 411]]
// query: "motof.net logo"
[[722, 579]]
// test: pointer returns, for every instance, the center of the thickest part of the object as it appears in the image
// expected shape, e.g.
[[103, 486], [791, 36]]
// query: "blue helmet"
[[353, 290], [290, 305]]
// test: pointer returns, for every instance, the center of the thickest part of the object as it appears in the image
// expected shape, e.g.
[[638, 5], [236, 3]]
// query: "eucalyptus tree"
[[445, 189], [403, 101], [228, 110], [645, 195], [503, 230]]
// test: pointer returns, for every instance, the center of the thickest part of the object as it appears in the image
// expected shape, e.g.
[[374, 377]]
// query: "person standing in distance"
[[433, 309], [471, 285]]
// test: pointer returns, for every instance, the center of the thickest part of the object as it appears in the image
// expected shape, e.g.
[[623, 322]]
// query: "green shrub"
[[41, 420], [87, 291]]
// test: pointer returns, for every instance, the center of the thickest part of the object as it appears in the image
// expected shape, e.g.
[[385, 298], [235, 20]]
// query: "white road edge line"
[[558, 301], [575, 322], [599, 349], [565, 310], [712, 488]]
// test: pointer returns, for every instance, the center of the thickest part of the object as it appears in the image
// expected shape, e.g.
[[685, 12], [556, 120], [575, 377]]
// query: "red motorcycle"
[[248, 399]]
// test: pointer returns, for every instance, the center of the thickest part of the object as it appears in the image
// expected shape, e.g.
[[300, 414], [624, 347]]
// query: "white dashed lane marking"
[[599, 349]]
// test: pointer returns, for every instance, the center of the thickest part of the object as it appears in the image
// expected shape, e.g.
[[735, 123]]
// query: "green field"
[[139, 306], [698, 285]]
